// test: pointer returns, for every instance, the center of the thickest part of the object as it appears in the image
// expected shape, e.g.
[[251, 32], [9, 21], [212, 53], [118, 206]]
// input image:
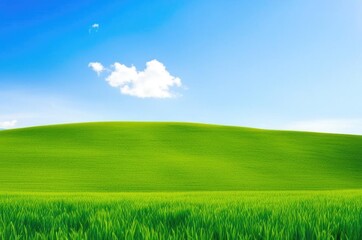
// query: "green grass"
[[198, 215], [118, 157], [184, 181]]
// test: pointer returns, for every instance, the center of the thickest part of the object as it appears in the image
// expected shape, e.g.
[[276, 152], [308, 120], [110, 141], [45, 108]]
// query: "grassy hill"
[[134, 156]]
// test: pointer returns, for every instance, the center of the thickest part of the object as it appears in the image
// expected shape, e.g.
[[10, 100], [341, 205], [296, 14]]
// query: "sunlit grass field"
[[197, 215], [178, 181], [131, 156]]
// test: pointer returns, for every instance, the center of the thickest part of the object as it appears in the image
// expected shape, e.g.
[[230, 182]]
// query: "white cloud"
[[31, 108], [94, 27], [348, 126], [153, 82], [97, 67], [8, 124]]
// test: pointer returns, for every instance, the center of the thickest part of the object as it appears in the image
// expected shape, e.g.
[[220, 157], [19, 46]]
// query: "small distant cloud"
[[97, 67], [153, 82], [348, 126], [94, 27], [8, 124]]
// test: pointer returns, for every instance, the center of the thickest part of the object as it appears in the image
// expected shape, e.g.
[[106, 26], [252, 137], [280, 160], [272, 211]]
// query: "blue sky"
[[267, 64]]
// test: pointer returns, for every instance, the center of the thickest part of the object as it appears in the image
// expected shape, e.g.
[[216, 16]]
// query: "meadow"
[[129, 180], [131, 156], [197, 215]]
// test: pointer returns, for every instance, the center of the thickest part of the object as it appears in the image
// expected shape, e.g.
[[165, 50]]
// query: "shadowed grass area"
[[206, 215], [131, 156]]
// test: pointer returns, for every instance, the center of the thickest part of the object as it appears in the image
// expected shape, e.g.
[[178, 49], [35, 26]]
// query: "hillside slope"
[[128, 156]]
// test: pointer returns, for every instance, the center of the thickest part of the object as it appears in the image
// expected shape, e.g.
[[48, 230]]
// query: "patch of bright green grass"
[[200, 215], [116, 157]]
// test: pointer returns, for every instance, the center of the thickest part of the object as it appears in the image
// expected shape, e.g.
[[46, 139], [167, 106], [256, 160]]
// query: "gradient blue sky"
[[268, 64]]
